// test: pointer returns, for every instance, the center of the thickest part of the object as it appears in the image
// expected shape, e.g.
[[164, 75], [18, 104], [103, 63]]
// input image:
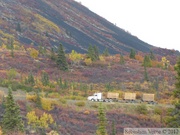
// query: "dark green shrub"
[[142, 109], [80, 103]]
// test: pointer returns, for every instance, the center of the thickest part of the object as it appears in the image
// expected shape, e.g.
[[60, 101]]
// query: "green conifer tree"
[[12, 47], [146, 78], [101, 130], [90, 53], [45, 78], [106, 52], [52, 55], [147, 61], [173, 120], [18, 28], [38, 99], [96, 52], [61, 59], [93, 53], [12, 121], [122, 62], [132, 54], [31, 79], [152, 57]]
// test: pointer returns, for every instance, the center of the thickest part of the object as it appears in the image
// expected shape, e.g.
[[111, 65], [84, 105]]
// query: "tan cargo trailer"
[[112, 95], [129, 96], [148, 97]]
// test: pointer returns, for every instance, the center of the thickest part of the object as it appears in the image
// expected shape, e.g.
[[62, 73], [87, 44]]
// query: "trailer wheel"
[[92, 100], [110, 100], [106, 100]]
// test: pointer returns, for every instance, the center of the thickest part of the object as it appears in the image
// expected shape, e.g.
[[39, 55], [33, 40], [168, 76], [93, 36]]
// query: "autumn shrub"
[[142, 109], [74, 97], [33, 52], [80, 103], [63, 100], [39, 122], [86, 112], [94, 106], [158, 110], [48, 104], [88, 61], [99, 64], [52, 132], [31, 97], [53, 95]]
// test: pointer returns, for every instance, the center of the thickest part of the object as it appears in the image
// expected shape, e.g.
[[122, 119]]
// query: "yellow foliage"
[[32, 119], [39, 122], [74, 56], [139, 58], [52, 132], [44, 24], [3, 46], [6, 35], [88, 61], [101, 58], [33, 52], [165, 62], [31, 97], [46, 104]]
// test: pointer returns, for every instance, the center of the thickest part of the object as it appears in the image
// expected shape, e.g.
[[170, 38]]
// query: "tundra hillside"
[[55, 54], [41, 88]]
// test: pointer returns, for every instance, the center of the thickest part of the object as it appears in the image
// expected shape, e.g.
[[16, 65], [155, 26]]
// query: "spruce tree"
[[121, 60], [93, 53], [90, 53], [147, 61], [61, 59], [174, 120], [96, 52], [102, 121], [106, 52], [152, 57], [12, 47], [52, 55], [18, 28], [145, 74], [44, 78], [12, 121], [31, 79], [132, 54]]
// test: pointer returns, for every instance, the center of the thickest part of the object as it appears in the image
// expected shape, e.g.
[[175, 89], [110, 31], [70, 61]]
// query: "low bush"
[[74, 97], [158, 110], [62, 100], [80, 103], [94, 106], [86, 112], [142, 109]]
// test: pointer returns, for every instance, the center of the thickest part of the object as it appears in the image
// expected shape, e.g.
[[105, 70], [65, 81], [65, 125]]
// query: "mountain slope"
[[48, 23]]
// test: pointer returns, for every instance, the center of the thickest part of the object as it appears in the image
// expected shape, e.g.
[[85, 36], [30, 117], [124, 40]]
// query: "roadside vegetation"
[[52, 88]]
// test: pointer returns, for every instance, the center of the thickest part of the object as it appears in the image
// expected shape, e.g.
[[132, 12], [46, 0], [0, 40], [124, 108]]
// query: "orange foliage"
[[139, 58], [155, 63]]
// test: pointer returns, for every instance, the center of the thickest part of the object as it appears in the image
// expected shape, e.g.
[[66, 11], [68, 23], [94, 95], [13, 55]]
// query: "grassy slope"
[[77, 120]]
